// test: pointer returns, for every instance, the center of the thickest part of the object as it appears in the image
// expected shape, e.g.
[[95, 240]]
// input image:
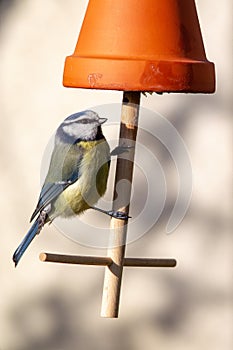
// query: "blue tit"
[[77, 175]]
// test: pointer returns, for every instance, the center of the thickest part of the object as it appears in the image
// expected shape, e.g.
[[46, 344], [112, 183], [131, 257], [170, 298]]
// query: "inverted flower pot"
[[140, 45]]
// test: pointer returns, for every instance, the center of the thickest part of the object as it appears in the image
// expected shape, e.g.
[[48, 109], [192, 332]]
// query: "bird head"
[[82, 126]]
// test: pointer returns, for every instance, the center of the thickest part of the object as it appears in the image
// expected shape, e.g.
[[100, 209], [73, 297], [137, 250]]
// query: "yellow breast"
[[92, 183]]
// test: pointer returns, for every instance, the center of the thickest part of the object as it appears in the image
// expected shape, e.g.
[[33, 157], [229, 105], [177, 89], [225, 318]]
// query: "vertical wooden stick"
[[124, 173]]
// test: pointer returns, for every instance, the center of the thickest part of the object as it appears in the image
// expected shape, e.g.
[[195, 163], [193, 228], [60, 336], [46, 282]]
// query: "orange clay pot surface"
[[140, 45]]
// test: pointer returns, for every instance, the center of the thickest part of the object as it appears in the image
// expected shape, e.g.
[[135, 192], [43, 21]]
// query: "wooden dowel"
[[106, 261], [149, 262], [76, 259], [124, 171]]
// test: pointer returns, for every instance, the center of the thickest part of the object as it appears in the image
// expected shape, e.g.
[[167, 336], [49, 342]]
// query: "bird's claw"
[[120, 149], [118, 215]]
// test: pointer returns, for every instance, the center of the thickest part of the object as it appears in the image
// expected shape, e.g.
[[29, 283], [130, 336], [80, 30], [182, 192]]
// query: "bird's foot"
[[120, 149], [113, 213], [118, 215]]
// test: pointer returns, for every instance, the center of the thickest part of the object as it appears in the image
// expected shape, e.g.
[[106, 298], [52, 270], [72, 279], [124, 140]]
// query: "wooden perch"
[[106, 261], [75, 259]]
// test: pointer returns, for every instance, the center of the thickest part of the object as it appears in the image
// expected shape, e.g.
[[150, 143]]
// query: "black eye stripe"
[[80, 121], [85, 121]]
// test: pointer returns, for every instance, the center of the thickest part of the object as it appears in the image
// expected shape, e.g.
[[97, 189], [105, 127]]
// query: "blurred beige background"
[[54, 307]]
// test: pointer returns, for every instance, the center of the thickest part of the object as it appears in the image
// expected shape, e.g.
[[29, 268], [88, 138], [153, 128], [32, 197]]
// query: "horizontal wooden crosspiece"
[[106, 261]]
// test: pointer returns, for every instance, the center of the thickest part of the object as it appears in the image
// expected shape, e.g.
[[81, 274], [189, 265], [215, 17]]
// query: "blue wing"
[[64, 170], [51, 191]]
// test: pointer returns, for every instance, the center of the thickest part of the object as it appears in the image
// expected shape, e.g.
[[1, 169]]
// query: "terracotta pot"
[[149, 45]]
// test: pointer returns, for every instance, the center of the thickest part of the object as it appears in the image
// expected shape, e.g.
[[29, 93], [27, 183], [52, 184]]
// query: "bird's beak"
[[102, 120]]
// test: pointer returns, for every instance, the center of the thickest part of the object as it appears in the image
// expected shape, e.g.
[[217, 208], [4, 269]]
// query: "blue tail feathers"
[[34, 230]]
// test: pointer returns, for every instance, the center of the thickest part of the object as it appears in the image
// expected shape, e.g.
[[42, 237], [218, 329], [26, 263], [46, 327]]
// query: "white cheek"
[[69, 130], [78, 131]]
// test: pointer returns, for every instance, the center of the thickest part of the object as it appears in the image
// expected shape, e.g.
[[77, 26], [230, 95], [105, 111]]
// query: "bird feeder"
[[134, 46]]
